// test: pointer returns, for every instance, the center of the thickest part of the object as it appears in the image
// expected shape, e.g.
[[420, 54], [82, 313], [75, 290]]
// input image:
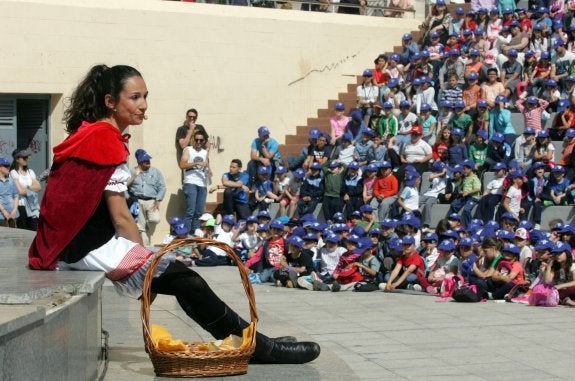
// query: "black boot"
[[274, 351]]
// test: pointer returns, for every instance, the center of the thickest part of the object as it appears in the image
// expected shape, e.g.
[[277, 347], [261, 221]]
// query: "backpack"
[[466, 294], [449, 285], [544, 295]]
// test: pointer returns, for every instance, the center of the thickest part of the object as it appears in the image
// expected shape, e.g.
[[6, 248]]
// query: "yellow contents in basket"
[[162, 339]]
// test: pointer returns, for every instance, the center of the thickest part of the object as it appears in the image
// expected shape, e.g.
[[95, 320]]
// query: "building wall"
[[240, 67]]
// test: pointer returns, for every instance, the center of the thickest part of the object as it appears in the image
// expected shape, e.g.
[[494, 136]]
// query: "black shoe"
[[288, 353], [285, 339], [335, 287]]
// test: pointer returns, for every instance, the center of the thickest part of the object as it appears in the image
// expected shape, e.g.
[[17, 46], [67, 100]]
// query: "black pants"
[[198, 301], [231, 206], [331, 206], [486, 207], [25, 222]]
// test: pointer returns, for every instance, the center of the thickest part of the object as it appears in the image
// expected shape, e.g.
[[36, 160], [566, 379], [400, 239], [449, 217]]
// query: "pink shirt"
[[532, 117], [338, 125]]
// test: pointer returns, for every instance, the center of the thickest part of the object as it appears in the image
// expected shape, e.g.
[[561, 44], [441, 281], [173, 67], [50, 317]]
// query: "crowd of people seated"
[[432, 125]]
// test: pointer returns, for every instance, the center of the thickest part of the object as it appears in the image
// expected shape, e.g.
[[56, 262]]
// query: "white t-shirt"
[[437, 187], [410, 197], [514, 195], [495, 186], [25, 180], [197, 175], [221, 236], [417, 151]]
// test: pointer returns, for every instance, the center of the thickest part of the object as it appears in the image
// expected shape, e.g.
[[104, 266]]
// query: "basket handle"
[[175, 244]]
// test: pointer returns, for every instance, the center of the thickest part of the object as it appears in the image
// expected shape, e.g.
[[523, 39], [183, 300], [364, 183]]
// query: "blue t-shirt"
[[559, 188], [263, 188], [426, 124], [240, 196], [272, 146]]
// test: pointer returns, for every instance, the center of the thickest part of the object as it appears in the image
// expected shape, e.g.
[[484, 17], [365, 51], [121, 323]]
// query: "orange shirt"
[[386, 186]]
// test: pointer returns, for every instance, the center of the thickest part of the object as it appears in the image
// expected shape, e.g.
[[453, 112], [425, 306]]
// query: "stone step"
[[318, 122], [304, 130], [287, 150], [296, 139]]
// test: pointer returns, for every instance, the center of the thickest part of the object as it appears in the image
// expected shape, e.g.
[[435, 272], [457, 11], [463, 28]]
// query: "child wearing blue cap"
[[561, 273], [8, 195]]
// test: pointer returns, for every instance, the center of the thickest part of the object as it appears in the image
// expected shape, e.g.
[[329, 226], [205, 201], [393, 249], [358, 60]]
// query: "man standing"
[[195, 164], [185, 132], [235, 183], [148, 187], [264, 151]]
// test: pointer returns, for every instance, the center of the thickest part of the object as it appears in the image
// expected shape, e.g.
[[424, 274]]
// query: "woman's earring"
[[114, 110]]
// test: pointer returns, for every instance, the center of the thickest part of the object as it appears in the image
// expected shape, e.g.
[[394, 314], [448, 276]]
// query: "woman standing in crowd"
[[102, 234], [28, 188]]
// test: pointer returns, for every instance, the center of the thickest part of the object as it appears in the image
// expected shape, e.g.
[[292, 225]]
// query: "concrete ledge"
[[20, 285]]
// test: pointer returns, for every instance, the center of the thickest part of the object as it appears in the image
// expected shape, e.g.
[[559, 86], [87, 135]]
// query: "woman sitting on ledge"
[[85, 223]]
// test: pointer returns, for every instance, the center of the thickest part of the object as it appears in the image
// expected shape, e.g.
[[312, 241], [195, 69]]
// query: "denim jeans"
[[195, 204]]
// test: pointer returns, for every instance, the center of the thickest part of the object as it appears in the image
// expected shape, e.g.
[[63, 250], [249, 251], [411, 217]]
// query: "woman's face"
[[446, 133], [561, 258], [489, 252], [131, 105], [198, 141]]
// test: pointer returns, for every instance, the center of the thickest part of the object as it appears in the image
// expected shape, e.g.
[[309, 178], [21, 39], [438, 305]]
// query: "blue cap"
[[395, 244], [494, 10], [499, 166], [363, 244], [338, 217], [411, 220], [570, 133], [501, 99], [299, 173], [507, 11], [264, 214], [393, 82], [374, 231], [357, 231], [411, 180], [532, 100], [263, 131], [551, 83], [558, 43], [314, 133], [492, 225], [450, 234], [357, 116], [333, 238], [407, 36], [367, 73], [516, 174], [425, 107], [538, 27], [140, 154], [430, 237], [173, 221], [356, 214], [558, 169], [529, 130], [457, 169], [560, 247], [543, 244], [395, 57], [454, 52], [446, 245], [543, 10], [479, 31], [570, 78], [440, 2], [404, 103], [482, 103], [454, 216], [347, 136], [296, 241], [530, 53], [366, 208], [263, 228], [371, 168], [353, 165], [459, 11], [408, 240], [385, 164], [469, 163], [334, 164], [433, 35], [387, 105], [498, 137], [468, 242], [368, 131], [339, 106], [482, 134], [537, 165], [469, 32], [525, 224], [315, 166], [457, 132], [181, 228], [389, 223], [424, 54], [263, 170], [251, 219], [317, 226], [511, 248], [438, 166], [229, 219], [471, 77], [276, 224], [310, 237], [508, 216], [545, 55], [505, 234]]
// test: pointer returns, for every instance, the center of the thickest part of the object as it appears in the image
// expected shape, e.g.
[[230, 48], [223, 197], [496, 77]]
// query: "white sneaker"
[[416, 287], [382, 286], [303, 283], [410, 287]]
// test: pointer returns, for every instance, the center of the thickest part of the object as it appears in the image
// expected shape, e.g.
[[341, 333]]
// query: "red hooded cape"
[[83, 164]]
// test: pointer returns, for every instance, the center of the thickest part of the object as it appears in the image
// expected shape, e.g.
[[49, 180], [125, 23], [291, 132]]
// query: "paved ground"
[[372, 336]]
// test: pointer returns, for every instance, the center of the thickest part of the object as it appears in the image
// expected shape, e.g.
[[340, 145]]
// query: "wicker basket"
[[194, 363]]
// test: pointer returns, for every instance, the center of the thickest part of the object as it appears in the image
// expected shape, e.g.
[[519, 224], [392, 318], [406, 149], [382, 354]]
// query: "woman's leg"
[[201, 304]]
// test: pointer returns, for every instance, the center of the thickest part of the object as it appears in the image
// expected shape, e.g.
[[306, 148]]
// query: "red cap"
[[416, 129]]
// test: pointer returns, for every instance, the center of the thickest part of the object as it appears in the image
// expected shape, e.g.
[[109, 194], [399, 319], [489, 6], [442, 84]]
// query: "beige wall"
[[238, 66]]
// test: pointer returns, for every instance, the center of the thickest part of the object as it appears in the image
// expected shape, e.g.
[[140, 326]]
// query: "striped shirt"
[[532, 116]]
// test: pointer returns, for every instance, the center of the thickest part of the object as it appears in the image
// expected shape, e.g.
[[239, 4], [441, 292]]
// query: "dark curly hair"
[[87, 100]]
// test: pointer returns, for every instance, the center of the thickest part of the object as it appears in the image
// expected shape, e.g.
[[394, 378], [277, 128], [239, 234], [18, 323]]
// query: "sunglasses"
[[192, 117], [199, 140]]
